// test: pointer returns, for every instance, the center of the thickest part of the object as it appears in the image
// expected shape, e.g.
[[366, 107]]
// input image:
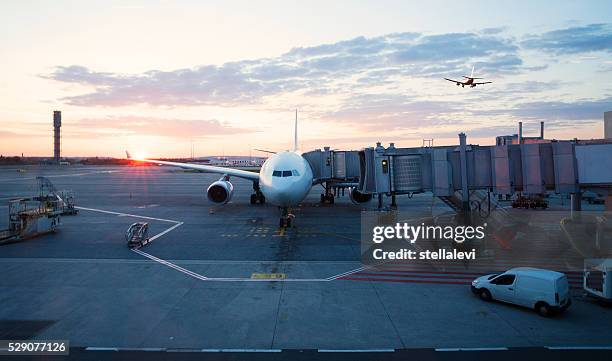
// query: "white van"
[[542, 290]]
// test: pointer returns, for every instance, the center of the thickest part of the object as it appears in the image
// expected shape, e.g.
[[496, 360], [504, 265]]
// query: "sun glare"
[[140, 155]]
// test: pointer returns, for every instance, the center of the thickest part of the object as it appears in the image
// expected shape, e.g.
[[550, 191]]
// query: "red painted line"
[[569, 273], [432, 272], [428, 275], [411, 281], [403, 281], [499, 262], [408, 276]]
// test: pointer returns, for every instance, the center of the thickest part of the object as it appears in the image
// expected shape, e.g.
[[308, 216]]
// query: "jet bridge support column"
[[576, 201], [465, 194]]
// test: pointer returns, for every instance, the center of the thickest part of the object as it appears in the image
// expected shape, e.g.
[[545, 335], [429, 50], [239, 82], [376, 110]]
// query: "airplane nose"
[[285, 195]]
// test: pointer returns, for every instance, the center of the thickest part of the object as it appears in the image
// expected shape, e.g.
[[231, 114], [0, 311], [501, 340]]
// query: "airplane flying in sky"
[[284, 180], [469, 81]]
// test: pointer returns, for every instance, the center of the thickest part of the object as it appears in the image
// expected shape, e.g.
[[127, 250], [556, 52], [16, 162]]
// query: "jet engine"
[[357, 197], [220, 192]]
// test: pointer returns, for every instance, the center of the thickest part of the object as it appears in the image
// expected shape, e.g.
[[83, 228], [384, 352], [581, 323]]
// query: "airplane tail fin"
[[295, 135], [129, 156], [472, 75]]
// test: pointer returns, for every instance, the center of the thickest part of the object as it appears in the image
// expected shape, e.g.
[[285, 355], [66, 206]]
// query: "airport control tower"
[[57, 123]]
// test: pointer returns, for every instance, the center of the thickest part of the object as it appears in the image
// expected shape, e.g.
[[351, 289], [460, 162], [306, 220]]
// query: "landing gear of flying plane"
[[257, 196], [285, 219]]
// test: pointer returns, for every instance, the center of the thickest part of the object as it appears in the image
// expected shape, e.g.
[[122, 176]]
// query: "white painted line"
[[579, 347], [348, 273], [145, 254], [237, 279], [357, 350], [240, 350], [127, 214], [218, 279], [472, 349], [166, 231], [148, 349], [101, 349], [183, 350], [335, 277], [171, 265]]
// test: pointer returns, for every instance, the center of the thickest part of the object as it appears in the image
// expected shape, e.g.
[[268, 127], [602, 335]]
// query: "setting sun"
[[140, 155]]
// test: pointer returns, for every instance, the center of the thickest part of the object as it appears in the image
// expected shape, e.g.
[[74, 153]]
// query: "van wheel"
[[485, 295], [543, 309]]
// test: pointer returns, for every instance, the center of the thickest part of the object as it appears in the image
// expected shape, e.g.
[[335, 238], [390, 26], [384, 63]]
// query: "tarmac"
[[196, 285]]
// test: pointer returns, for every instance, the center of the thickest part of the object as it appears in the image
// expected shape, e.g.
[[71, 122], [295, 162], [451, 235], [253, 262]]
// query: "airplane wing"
[[484, 82], [454, 81], [204, 168], [265, 151]]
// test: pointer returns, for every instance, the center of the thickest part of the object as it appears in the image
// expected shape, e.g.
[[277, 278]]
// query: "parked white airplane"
[[284, 180]]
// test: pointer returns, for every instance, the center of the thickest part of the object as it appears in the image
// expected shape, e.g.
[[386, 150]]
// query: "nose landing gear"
[[257, 196], [285, 219]]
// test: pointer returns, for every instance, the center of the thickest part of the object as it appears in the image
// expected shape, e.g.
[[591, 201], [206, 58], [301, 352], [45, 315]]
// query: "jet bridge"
[[450, 172], [335, 170]]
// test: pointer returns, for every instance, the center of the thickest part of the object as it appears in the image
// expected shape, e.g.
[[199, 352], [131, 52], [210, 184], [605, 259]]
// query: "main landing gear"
[[285, 219], [257, 196]]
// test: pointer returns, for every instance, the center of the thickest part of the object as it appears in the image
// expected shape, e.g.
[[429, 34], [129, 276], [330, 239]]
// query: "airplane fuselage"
[[285, 179]]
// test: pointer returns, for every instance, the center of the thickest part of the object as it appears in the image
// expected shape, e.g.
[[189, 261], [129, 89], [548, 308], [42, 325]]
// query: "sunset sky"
[[157, 76]]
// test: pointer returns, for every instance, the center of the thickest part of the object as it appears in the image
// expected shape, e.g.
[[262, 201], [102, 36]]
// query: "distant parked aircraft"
[[469, 81]]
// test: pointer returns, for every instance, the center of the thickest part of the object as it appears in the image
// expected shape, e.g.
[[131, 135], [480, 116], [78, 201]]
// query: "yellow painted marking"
[[267, 276]]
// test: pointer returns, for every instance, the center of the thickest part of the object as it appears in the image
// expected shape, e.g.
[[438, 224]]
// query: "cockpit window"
[[285, 173]]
